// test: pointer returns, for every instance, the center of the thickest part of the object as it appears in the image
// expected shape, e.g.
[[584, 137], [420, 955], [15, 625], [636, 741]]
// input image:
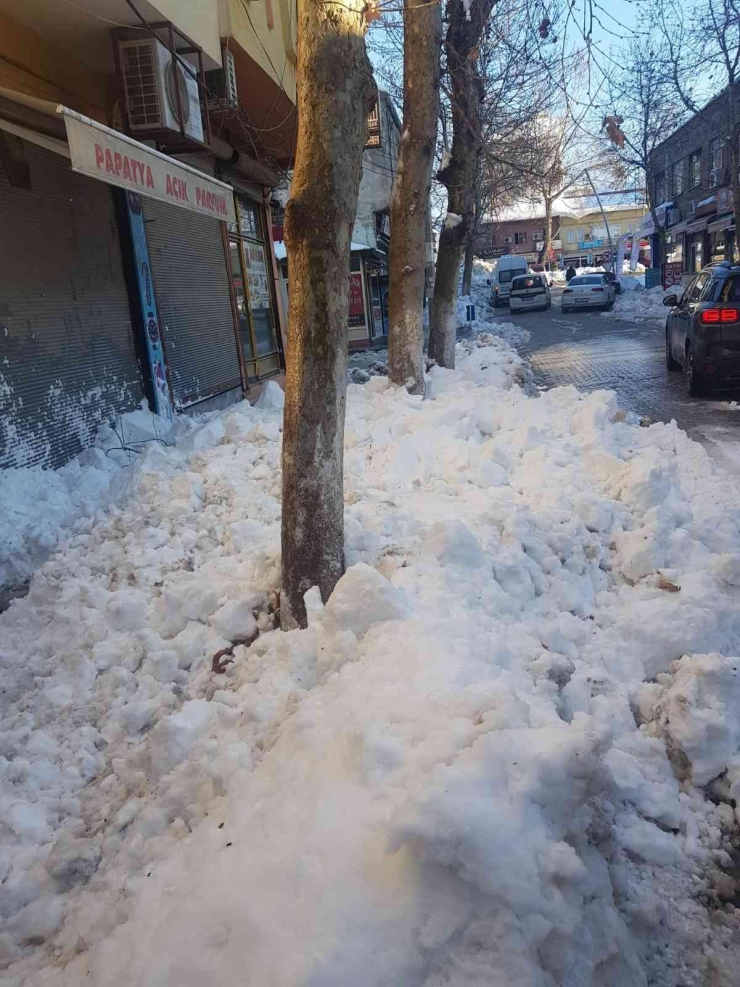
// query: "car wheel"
[[671, 363], [695, 383]]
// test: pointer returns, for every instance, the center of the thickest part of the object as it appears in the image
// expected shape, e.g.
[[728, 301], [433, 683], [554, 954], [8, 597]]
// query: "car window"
[[533, 281], [729, 290], [505, 276], [693, 292], [592, 279], [688, 292]]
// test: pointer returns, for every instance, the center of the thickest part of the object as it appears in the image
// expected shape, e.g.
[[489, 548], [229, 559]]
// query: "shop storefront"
[[68, 354], [251, 271]]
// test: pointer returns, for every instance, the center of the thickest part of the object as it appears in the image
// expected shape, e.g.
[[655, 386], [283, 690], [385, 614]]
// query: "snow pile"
[[645, 305], [441, 780], [41, 507]]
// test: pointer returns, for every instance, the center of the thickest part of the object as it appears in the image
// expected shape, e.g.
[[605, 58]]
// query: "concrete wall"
[[268, 31], [198, 19]]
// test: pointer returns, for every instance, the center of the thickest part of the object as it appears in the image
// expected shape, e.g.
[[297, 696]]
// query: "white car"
[[529, 291], [588, 291]]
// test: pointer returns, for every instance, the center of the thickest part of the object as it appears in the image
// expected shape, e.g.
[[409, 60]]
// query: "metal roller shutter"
[[67, 355], [193, 297]]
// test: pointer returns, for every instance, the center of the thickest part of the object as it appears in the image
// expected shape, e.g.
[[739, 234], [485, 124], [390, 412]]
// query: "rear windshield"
[[505, 276], [594, 279], [530, 282]]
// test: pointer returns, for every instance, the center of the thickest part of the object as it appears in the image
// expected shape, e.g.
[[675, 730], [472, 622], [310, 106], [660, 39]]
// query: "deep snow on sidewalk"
[[488, 760], [644, 305]]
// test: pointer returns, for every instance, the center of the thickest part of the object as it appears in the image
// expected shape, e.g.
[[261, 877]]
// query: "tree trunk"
[[467, 278], [410, 202], [458, 174], [335, 89], [545, 252], [734, 140]]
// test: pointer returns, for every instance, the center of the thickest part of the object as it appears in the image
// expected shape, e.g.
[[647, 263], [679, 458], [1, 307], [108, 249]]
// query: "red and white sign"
[[606, 256], [356, 301], [103, 153], [672, 273]]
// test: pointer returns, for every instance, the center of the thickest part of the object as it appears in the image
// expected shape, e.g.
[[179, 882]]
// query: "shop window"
[[251, 270], [695, 169], [716, 247]]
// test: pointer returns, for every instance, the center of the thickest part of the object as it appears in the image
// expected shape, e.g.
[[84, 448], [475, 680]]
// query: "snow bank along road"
[[506, 751]]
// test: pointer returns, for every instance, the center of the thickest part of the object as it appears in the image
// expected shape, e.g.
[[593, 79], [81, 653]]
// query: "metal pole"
[[603, 216]]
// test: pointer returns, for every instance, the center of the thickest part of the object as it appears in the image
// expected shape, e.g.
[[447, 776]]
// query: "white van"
[[507, 267]]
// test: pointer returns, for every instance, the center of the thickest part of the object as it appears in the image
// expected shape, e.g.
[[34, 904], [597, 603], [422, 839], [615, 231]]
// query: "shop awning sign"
[[102, 153]]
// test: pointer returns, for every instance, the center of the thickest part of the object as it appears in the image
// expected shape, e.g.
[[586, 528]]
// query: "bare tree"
[[335, 90], [410, 202], [645, 108]]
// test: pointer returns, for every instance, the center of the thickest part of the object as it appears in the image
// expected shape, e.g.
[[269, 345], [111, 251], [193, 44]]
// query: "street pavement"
[[591, 352]]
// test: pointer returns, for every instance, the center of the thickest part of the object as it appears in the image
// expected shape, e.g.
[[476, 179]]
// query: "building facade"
[[138, 146], [586, 237], [690, 174], [523, 236]]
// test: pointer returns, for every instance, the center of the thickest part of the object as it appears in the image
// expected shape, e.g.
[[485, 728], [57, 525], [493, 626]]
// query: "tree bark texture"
[[458, 175], [410, 202], [335, 89], [469, 257]]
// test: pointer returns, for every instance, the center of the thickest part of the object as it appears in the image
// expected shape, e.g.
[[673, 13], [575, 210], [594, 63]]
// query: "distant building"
[[691, 184], [518, 230], [585, 237]]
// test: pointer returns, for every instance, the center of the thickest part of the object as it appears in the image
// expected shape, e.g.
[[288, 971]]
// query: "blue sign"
[[590, 244]]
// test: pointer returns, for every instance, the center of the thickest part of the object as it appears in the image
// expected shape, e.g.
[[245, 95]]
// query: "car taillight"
[[711, 316], [597, 289]]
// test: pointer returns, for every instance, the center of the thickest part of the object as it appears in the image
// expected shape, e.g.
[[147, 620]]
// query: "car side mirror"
[[670, 301]]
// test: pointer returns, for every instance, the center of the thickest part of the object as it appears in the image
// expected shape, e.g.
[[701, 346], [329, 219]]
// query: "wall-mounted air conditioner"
[[221, 83], [151, 79], [508, 239]]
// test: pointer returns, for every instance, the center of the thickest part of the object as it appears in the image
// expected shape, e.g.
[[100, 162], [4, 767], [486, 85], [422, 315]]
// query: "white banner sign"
[[634, 256], [620, 255], [103, 153]]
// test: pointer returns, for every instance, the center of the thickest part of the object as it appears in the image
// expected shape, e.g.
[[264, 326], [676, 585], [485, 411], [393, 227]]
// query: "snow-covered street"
[[505, 751]]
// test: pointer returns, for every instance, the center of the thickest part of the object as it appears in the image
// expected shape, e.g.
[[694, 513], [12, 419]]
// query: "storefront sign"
[[356, 301], [590, 244], [111, 157], [672, 271]]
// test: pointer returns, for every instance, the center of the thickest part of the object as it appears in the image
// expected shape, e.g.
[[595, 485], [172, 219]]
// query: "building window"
[[598, 233], [660, 188], [616, 230], [571, 236], [630, 228], [520, 238], [493, 239], [251, 272], [580, 234], [695, 169], [716, 162], [677, 178]]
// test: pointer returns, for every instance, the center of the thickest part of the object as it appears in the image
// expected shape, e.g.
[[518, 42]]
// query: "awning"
[[102, 153], [721, 224], [697, 227]]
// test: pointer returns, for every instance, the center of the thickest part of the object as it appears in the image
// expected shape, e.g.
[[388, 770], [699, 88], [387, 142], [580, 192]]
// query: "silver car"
[[529, 291], [588, 291]]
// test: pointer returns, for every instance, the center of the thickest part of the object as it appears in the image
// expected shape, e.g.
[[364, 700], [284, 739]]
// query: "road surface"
[[588, 351]]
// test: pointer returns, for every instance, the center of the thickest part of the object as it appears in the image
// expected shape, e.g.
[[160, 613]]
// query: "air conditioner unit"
[[221, 84], [508, 239], [151, 79]]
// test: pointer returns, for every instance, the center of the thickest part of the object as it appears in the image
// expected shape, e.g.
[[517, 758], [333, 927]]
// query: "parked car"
[[528, 292], [540, 269], [702, 332], [507, 267], [588, 291]]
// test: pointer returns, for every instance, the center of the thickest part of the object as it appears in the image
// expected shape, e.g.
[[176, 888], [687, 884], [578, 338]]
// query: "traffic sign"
[[606, 256]]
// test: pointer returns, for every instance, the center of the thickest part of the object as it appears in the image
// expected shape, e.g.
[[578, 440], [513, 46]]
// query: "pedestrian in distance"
[[570, 273]]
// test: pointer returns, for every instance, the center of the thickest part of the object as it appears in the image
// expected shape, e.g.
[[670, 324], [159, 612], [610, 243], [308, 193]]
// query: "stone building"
[[690, 173]]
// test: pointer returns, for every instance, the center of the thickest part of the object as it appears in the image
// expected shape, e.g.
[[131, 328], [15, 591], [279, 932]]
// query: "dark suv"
[[702, 331]]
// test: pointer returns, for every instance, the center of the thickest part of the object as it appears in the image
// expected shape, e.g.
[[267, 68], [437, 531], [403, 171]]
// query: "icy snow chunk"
[[28, 821], [455, 544], [272, 397], [726, 569], [235, 621], [452, 220], [649, 842], [700, 713], [173, 738], [314, 605], [37, 921], [72, 862], [363, 597]]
